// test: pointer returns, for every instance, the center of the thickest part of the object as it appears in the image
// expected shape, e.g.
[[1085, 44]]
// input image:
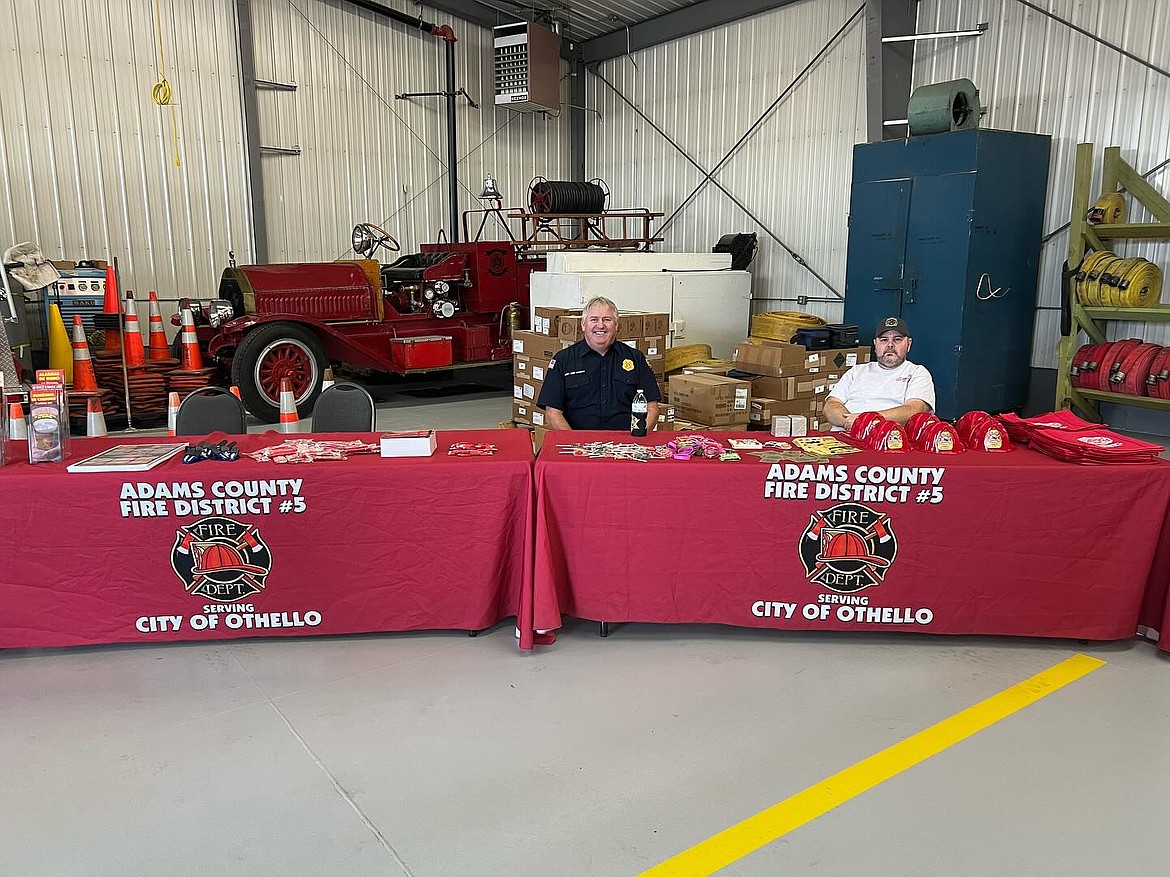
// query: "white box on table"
[[417, 443]]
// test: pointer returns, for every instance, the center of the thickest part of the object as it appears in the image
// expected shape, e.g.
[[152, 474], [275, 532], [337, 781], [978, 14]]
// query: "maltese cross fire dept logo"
[[848, 548], [221, 559]]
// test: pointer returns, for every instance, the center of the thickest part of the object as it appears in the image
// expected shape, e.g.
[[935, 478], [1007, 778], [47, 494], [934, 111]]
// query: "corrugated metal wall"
[[367, 157], [87, 159], [705, 91], [1038, 75]]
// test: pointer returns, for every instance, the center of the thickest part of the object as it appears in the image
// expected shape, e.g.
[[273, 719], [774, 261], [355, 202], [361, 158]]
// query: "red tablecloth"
[[366, 544], [1012, 544]]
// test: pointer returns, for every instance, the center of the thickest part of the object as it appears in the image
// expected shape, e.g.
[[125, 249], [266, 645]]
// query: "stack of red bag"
[[1096, 445], [1020, 430]]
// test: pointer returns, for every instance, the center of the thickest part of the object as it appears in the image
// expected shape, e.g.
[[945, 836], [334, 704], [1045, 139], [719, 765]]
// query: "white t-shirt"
[[870, 387]]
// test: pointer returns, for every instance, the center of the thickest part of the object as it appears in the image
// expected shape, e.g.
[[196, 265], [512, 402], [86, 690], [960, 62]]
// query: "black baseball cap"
[[896, 324]]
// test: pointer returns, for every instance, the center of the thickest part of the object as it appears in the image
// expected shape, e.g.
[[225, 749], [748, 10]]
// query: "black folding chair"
[[344, 407], [211, 409]]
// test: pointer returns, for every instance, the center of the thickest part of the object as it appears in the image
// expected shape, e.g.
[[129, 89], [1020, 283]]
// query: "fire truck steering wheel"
[[367, 237]]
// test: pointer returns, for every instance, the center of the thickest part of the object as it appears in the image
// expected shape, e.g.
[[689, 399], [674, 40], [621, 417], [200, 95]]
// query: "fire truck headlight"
[[429, 293], [219, 311]]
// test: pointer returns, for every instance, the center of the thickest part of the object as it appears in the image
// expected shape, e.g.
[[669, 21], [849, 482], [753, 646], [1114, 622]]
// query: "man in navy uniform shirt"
[[591, 385]]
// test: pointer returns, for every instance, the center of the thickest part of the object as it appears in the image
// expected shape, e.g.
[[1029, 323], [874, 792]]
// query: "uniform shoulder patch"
[[627, 365], [552, 363]]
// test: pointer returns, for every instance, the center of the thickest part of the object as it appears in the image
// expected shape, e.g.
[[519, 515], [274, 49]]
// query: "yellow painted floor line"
[[757, 831]]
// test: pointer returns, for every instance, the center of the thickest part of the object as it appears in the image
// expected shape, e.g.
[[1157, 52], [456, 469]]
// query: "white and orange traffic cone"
[[135, 352], [327, 380], [17, 428], [159, 349], [172, 412], [192, 357], [84, 379], [95, 420], [289, 421], [235, 391]]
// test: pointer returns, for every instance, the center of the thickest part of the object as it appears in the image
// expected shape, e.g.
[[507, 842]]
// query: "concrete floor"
[[437, 755]]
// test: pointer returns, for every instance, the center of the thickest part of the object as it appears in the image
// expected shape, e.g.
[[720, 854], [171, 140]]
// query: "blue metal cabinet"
[[929, 217]]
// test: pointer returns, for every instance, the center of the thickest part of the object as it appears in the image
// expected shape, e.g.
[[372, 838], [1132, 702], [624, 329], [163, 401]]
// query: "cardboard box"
[[535, 346], [657, 365], [777, 359], [825, 362], [653, 345], [666, 414], [527, 368], [538, 435], [711, 399], [799, 387], [527, 391], [569, 331], [630, 326], [709, 367], [761, 410], [808, 407], [656, 324], [526, 412], [546, 321]]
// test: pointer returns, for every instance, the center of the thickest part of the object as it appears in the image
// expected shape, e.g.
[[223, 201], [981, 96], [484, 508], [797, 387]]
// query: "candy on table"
[[471, 449]]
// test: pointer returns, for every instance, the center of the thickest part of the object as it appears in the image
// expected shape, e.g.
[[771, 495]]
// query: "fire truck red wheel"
[[274, 351]]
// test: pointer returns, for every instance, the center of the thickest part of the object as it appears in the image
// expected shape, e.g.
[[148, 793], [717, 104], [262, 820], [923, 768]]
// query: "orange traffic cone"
[[135, 352], [95, 421], [289, 421], [172, 412], [192, 358], [17, 428], [113, 335], [111, 305], [84, 379], [327, 380], [159, 349], [235, 391]]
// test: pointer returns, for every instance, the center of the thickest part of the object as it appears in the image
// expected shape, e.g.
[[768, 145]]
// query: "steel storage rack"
[[1116, 175]]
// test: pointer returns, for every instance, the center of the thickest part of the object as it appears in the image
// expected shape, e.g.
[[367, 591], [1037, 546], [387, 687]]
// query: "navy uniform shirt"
[[596, 391]]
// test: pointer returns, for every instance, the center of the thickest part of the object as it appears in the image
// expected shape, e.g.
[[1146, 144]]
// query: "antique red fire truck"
[[451, 305]]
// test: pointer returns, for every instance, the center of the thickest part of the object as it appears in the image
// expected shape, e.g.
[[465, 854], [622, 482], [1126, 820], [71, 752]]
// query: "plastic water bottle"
[[638, 412]]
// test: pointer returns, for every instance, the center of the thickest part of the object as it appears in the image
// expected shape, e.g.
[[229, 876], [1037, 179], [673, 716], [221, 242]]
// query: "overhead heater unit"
[[528, 68]]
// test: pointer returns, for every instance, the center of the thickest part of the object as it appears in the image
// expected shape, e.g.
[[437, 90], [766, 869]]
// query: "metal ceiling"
[[597, 30], [584, 19]]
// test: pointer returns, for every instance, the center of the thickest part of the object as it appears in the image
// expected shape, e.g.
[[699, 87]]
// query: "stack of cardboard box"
[[790, 380]]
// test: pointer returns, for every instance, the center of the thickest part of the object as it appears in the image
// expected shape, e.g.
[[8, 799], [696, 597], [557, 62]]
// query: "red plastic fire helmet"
[[917, 423], [888, 436], [847, 545], [989, 436], [864, 424], [940, 438], [967, 422]]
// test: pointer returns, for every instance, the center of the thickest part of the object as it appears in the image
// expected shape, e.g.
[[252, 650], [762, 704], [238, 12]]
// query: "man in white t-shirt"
[[891, 385]]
